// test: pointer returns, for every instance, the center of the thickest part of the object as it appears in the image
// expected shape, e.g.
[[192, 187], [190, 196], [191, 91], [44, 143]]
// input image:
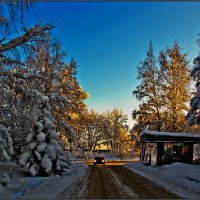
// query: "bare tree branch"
[[29, 34], [6, 60]]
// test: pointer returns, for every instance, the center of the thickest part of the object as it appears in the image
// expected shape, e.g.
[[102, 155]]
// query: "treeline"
[[105, 130]]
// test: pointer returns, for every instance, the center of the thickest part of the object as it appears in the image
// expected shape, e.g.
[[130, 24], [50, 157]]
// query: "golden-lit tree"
[[117, 126], [69, 86], [93, 125], [60, 84], [175, 75], [126, 143]]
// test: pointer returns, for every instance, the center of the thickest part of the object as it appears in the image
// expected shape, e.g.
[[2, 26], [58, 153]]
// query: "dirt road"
[[106, 182]]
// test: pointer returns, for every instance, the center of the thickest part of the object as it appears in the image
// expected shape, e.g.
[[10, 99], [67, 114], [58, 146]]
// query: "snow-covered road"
[[108, 182]]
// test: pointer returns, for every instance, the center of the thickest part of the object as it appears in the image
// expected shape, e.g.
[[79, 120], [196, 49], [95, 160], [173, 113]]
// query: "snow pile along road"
[[43, 187], [179, 178], [55, 185]]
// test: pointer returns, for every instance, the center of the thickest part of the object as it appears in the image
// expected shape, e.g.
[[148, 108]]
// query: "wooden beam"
[[160, 153]]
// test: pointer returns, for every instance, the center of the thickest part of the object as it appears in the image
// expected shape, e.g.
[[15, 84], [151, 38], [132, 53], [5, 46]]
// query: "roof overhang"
[[155, 136]]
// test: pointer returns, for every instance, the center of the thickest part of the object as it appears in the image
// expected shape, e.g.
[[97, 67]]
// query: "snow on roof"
[[148, 132]]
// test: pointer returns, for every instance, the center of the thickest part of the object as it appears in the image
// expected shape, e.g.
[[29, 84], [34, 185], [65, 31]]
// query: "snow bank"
[[179, 178], [55, 185], [16, 184], [43, 187]]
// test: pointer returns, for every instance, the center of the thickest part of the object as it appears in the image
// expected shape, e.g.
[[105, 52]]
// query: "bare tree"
[[13, 39]]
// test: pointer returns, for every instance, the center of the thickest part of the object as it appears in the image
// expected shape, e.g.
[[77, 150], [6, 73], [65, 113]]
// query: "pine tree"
[[193, 116], [149, 91], [45, 155]]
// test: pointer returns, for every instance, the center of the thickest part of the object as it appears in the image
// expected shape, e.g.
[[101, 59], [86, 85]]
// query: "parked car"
[[99, 160]]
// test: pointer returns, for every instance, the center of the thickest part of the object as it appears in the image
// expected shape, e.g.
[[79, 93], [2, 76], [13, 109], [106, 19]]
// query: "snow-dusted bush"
[[5, 179], [45, 155], [6, 148], [197, 152], [17, 104]]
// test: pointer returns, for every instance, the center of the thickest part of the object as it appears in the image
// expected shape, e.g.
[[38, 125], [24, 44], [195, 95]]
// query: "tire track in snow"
[[122, 186]]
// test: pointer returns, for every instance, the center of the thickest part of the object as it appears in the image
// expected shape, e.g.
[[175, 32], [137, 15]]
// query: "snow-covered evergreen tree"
[[193, 116], [45, 155], [6, 148]]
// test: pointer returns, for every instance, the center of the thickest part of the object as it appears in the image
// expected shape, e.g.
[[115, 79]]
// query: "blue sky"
[[109, 39]]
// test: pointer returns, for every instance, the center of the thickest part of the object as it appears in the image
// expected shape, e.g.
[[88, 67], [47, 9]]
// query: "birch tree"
[[175, 75]]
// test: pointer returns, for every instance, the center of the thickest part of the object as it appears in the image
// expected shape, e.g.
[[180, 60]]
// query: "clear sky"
[[109, 39]]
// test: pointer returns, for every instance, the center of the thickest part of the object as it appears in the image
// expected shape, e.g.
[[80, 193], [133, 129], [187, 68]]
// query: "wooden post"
[[142, 154], [141, 151], [160, 153], [149, 159], [145, 144], [190, 153]]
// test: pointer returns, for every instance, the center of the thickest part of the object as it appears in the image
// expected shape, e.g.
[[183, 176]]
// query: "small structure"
[[101, 148], [170, 146]]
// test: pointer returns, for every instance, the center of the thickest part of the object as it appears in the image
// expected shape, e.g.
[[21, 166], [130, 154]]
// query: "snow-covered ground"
[[179, 178], [42, 187]]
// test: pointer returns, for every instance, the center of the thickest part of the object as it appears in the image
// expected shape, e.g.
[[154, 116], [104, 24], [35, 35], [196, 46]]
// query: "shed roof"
[[156, 136]]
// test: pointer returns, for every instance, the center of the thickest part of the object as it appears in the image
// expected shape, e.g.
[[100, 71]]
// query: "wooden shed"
[[182, 145]]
